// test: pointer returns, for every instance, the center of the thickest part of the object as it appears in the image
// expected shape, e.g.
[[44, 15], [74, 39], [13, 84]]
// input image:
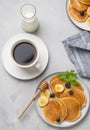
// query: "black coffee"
[[24, 53]]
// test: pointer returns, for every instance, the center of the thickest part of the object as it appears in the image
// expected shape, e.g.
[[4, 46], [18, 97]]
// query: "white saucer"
[[18, 72], [81, 25]]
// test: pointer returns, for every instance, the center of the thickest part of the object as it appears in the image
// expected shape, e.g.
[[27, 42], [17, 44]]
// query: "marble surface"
[[14, 94]]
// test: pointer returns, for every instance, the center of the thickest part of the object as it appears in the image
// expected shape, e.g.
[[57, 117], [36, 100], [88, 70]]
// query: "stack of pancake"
[[66, 104], [77, 9], [60, 109]]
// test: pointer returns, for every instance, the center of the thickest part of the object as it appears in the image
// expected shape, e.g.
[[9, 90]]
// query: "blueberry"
[[52, 95], [82, 13], [58, 120], [71, 92], [67, 85]]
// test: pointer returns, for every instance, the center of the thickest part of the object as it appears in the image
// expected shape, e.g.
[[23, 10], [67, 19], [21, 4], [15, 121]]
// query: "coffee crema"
[[24, 53]]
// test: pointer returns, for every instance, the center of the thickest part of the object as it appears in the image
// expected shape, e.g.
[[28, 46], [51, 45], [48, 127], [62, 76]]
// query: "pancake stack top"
[[77, 9]]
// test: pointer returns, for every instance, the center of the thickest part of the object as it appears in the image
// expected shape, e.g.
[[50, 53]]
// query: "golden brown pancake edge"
[[86, 2], [78, 5]]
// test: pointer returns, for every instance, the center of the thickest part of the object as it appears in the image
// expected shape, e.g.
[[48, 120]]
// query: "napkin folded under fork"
[[78, 50]]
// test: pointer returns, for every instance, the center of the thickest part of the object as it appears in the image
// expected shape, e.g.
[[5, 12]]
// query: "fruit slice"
[[46, 93], [88, 11], [88, 21], [42, 101], [59, 88]]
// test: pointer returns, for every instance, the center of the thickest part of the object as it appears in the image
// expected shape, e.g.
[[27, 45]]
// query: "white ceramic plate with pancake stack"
[[81, 25], [64, 123]]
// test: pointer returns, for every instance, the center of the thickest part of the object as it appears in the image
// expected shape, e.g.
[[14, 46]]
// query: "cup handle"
[[37, 65]]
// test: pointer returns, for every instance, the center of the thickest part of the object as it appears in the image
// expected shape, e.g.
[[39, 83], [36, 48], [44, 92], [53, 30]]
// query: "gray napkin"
[[78, 50]]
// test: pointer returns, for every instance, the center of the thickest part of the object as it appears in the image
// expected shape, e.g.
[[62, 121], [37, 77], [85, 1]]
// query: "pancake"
[[73, 13], [75, 93], [55, 80], [54, 110], [63, 108], [86, 2], [73, 107], [78, 87], [78, 5]]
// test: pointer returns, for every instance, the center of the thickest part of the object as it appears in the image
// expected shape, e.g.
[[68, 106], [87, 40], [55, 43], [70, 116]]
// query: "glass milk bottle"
[[29, 19]]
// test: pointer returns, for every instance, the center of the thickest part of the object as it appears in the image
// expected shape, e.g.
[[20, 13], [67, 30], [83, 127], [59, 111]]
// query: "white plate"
[[18, 72], [81, 25], [65, 124]]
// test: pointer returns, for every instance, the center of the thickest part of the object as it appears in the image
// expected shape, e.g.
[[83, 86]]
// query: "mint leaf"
[[74, 83], [69, 76]]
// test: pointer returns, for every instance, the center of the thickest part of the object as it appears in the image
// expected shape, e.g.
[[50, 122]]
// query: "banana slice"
[[45, 93], [59, 88], [88, 21], [88, 11], [42, 101]]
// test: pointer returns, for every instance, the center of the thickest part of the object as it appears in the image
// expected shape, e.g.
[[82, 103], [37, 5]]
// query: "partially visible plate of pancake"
[[63, 104], [79, 13]]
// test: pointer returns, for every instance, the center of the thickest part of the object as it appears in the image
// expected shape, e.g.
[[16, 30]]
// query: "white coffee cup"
[[35, 62]]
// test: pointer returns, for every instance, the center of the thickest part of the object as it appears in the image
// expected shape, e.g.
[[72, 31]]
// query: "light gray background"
[[14, 94]]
